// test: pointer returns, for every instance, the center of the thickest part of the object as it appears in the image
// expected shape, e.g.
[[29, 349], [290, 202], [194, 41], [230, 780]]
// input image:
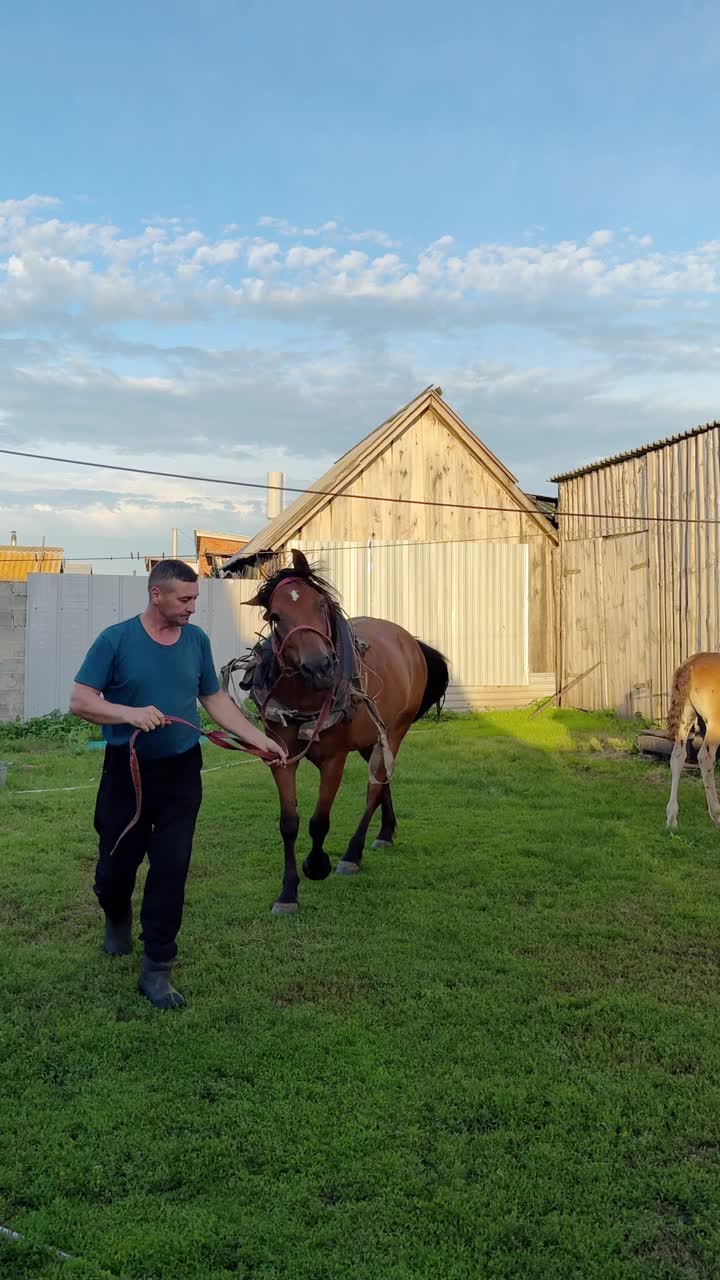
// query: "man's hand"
[[145, 718], [224, 712], [277, 749]]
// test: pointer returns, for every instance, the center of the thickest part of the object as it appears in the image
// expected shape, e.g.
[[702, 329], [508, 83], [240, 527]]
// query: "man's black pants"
[[171, 796]]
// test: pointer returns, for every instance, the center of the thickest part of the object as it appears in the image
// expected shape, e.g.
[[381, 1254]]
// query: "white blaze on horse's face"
[[303, 633]]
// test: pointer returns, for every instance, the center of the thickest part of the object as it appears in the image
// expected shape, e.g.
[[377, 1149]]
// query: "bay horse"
[[388, 681], [695, 698]]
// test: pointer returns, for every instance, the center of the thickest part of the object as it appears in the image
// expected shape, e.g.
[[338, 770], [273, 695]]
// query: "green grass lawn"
[[496, 1053]]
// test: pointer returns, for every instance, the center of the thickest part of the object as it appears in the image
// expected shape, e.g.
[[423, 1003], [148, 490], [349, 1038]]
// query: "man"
[[136, 673]]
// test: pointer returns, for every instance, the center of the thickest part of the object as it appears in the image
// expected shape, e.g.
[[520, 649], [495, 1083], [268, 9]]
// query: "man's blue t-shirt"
[[128, 667]]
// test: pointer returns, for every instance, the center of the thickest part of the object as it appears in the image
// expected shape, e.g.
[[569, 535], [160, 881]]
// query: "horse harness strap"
[[220, 737], [263, 671]]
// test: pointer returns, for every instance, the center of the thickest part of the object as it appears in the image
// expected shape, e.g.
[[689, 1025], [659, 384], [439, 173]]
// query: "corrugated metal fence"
[[65, 614], [468, 600]]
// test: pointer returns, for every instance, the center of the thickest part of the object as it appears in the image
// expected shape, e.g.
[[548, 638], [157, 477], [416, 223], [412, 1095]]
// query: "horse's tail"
[[438, 677], [679, 696]]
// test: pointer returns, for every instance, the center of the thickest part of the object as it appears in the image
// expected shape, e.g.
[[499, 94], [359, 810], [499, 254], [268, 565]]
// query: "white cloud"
[[50, 265], [262, 254], [189, 240], [216, 254], [282, 227], [161, 340], [373, 235], [353, 260], [301, 257], [11, 208]]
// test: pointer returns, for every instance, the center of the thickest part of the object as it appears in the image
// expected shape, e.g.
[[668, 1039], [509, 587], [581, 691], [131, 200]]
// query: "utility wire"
[[312, 550], [515, 512]]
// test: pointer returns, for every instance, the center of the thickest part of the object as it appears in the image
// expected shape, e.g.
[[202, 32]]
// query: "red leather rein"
[[221, 738], [218, 736]]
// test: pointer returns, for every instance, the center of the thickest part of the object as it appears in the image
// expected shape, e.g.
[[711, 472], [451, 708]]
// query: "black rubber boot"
[[118, 935], [156, 986]]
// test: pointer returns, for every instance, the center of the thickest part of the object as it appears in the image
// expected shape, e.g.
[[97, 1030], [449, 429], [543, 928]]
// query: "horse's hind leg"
[[389, 821], [352, 858], [317, 865], [677, 761], [378, 793], [706, 760]]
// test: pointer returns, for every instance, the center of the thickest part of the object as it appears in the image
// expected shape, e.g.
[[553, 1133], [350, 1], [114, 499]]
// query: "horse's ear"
[[256, 598], [300, 564]]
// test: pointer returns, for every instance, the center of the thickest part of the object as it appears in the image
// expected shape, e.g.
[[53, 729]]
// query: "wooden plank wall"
[[504, 697], [641, 602], [620, 489], [428, 460]]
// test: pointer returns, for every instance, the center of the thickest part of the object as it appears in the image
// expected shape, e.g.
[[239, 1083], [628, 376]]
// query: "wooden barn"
[[473, 577], [640, 591]]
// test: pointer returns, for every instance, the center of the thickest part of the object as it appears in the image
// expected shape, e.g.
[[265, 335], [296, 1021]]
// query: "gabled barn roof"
[[635, 453], [350, 466]]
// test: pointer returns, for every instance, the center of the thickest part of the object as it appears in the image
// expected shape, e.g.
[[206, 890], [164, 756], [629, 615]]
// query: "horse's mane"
[[313, 579]]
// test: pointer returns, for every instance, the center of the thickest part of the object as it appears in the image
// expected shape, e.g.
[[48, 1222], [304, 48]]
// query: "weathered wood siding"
[[638, 597], [620, 489], [468, 599], [605, 629], [428, 461], [502, 697]]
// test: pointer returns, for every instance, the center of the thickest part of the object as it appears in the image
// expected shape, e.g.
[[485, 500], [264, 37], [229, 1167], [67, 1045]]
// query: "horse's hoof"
[[317, 868], [347, 868], [284, 908], [382, 844]]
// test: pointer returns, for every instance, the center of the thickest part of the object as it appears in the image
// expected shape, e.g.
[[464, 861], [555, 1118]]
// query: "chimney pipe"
[[275, 494], [13, 538]]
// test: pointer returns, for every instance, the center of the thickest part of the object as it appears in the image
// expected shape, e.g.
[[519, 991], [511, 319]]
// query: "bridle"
[[279, 648]]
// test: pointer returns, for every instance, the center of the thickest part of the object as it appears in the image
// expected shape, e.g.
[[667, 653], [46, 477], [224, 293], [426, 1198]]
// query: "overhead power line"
[[132, 555], [253, 484], [136, 556], [515, 512]]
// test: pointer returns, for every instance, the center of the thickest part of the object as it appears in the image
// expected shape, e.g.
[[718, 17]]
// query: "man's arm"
[[221, 708], [95, 674], [88, 704]]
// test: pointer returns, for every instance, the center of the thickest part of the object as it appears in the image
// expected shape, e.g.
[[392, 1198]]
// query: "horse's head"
[[300, 609]]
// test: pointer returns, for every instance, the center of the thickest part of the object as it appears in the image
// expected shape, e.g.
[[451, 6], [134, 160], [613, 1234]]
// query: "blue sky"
[[466, 119], [261, 228]]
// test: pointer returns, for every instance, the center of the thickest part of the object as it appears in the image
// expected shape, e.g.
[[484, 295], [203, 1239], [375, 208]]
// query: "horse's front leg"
[[285, 779], [317, 865]]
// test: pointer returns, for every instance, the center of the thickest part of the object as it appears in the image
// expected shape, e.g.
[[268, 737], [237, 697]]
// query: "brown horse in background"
[[400, 679], [695, 698]]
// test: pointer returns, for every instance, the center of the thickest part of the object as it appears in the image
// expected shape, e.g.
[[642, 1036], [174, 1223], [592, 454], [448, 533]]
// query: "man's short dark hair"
[[167, 571]]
